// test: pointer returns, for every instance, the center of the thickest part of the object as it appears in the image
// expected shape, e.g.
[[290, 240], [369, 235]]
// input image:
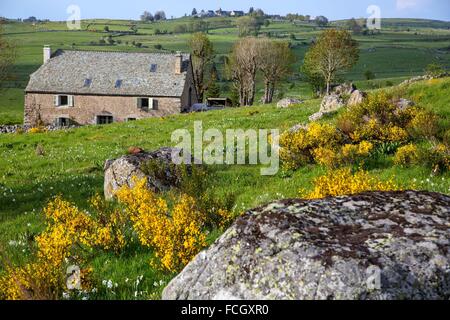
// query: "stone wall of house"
[[87, 107]]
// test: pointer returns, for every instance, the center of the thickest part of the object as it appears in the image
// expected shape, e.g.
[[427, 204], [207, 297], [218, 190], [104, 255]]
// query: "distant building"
[[222, 13], [92, 87], [235, 13]]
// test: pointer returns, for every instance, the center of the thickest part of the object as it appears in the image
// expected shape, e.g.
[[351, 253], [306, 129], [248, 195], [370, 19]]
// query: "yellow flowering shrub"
[[356, 153], [326, 157], [344, 182], [438, 157], [424, 124], [305, 145], [37, 130], [68, 229], [175, 235], [394, 134], [379, 120], [407, 155]]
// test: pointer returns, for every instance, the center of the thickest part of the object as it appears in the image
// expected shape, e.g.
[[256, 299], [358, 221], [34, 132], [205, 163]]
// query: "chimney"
[[179, 63], [47, 53]]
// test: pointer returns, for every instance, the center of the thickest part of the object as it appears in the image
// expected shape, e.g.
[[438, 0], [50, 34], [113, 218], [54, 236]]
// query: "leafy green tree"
[[333, 53], [213, 87]]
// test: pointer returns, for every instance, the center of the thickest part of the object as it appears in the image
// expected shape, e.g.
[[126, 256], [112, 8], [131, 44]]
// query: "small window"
[[63, 122], [144, 103], [63, 100], [87, 83], [118, 84], [153, 68], [131, 119], [105, 119]]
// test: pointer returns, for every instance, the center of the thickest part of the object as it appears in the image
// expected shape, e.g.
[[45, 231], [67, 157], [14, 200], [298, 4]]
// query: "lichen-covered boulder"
[[288, 102], [120, 172], [344, 89], [378, 245], [357, 97], [331, 103]]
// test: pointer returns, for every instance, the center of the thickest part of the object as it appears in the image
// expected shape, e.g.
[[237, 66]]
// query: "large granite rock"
[[331, 103], [357, 97], [391, 245], [344, 89], [120, 172]]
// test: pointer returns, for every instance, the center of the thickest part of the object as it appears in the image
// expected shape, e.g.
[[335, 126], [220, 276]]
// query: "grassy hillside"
[[72, 165], [399, 52]]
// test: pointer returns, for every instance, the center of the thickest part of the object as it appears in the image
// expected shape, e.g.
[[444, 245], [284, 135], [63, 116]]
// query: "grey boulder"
[[331, 103], [288, 102], [378, 245], [121, 172]]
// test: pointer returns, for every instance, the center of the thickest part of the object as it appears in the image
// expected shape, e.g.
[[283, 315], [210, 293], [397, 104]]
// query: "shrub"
[[69, 234], [356, 154], [344, 182], [37, 130], [438, 158], [407, 155], [434, 70], [176, 236], [326, 157], [303, 146], [369, 120], [424, 124]]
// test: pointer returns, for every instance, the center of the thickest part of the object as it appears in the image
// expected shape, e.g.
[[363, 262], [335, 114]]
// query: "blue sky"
[[131, 9]]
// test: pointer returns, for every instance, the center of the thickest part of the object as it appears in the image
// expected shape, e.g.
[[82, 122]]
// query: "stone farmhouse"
[[93, 87]]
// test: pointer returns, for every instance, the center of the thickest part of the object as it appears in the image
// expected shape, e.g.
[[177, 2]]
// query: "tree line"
[[332, 53]]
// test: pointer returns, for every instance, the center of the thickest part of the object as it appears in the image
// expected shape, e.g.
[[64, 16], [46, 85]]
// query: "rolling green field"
[[70, 163], [403, 49]]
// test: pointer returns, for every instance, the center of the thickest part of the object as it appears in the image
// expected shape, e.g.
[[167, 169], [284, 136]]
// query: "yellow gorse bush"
[[175, 235], [305, 145], [407, 155], [68, 233], [345, 182]]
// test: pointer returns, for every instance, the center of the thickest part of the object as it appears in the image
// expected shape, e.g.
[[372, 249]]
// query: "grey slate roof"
[[67, 71]]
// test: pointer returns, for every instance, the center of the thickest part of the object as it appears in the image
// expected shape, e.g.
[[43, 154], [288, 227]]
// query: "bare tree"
[[202, 51], [275, 62], [335, 51], [242, 68], [7, 56]]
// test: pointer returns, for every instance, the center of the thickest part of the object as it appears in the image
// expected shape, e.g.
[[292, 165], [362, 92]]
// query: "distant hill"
[[407, 23]]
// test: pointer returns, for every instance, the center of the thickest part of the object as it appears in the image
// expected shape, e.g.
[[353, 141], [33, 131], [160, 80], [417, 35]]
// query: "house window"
[[153, 67], [105, 119], [63, 122], [63, 101], [131, 119], [118, 84], [147, 103]]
